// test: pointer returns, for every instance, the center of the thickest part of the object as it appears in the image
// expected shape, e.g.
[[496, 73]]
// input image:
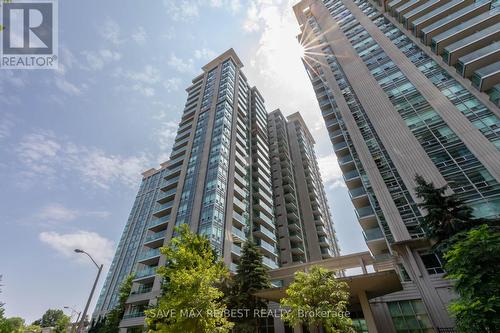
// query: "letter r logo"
[[28, 28]]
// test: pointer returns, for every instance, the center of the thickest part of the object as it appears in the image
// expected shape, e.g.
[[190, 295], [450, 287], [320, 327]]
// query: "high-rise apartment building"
[[303, 217], [218, 181], [130, 245], [393, 109]]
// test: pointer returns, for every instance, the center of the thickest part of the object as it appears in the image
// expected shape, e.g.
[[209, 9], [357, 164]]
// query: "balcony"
[[321, 231], [295, 236], [264, 233], [339, 146], [164, 209], [357, 192], [159, 223], [238, 235], [373, 234], [364, 212], [166, 196], [149, 257], [347, 159], [266, 247], [170, 183], [298, 249], [236, 250], [269, 263], [239, 206], [263, 219], [148, 272], [240, 220], [351, 175], [155, 240]]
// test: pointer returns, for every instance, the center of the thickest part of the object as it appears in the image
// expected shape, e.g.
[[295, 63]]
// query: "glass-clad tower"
[[394, 110], [218, 181], [134, 234], [303, 216]]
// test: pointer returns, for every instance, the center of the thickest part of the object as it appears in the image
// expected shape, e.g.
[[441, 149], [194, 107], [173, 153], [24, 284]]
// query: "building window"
[[360, 325], [403, 273], [410, 316], [432, 263]]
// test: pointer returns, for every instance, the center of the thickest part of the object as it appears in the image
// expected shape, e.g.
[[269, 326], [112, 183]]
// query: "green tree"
[[50, 317], [13, 325], [446, 213], [113, 318], [33, 328], [62, 324], [317, 299], [472, 262], [190, 301], [251, 276]]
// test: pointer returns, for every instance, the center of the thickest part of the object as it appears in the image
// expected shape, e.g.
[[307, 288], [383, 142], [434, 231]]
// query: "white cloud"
[[187, 10], [101, 249], [204, 54], [172, 84], [251, 22], [166, 134], [56, 212], [140, 36], [330, 172], [42, 156], [96, 60], [147, 80], [6, 125], [182, 66], [111, 32], [181, 10], [67, 87]]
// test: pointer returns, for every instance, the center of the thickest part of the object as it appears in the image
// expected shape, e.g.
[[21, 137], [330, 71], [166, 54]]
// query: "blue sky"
[[73, 142]]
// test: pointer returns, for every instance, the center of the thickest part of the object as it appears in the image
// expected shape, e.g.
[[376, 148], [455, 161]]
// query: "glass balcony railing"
[[339, 145], [133, 315], [266, 232], [345, 159], [236, 249], [155, 236], [159, 221], [372, 234], [265, 245], [149, 254], [356, 192], [269, 263], [351, 175], [364, 211], [150, 270], [239, 233]]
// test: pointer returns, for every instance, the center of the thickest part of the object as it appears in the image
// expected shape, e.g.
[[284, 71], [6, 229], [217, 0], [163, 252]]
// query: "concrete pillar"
[[367, 312]]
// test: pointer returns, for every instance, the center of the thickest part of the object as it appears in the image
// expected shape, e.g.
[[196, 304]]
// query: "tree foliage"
[[251, 276], [62, 324], [317, 299], [472, 261], [190, 302], [446, 213], [50, 317]]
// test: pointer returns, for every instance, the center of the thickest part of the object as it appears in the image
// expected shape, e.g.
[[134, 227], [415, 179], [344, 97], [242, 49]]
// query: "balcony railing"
[[351, 175], [372, 234], [364, 211], [269, 263], [356, 192], [149, 254], [150, 270]]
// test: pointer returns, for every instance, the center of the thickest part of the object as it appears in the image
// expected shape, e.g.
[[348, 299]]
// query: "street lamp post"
[[73, 326], [81, 325]]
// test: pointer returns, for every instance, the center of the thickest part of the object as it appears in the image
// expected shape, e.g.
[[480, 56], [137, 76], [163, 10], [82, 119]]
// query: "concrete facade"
[[393, 111]]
